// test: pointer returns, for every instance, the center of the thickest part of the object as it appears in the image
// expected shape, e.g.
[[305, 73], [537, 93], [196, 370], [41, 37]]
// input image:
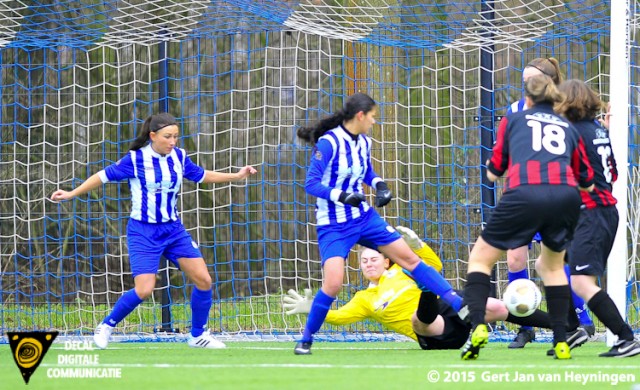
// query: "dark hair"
[[541, 89], [153, 123], [353, 105], [547, 66], [581, 101]]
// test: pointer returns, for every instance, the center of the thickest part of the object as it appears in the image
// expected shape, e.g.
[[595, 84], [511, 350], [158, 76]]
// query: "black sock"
[[476, 293], [427, 307], [572, 317], [605, 309], [539, 319], [558, 298]]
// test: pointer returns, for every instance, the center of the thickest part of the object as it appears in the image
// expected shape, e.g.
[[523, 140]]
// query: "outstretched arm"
[[91, 183], [221, 177], [353, 311]]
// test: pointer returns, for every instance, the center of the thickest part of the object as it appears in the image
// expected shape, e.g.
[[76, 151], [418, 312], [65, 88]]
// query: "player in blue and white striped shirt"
[[341, 162], [155, 167]]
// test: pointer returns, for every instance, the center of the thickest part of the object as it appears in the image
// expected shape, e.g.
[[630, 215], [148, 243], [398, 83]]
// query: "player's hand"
[[410, 237], [352, 199], [246, 171], [294, 303], [605, 119], [383, 194], [61, 195]]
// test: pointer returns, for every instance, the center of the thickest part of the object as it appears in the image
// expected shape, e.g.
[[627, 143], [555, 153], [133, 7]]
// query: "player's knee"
[[425, 329], [143, 292], [516, 264], [582, 285], [517, 259], [418, 326], [331, 288], [408, 261], [202, 281]]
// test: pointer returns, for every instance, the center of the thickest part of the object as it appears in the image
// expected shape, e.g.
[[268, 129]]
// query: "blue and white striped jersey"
[[339, 163], [517, 107], [154, 180]]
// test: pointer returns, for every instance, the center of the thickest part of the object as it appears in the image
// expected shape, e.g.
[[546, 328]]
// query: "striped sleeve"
[[319, 162], [581, 166], [191, 171], [123, 169], [499, 161]]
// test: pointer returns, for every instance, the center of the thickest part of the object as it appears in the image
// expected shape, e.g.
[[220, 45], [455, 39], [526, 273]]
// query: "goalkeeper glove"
[[383, 194], [352, 199], [294, 303], [410, 237]]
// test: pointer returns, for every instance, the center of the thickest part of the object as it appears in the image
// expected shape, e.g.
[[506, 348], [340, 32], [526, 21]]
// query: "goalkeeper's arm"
[[352, 311]]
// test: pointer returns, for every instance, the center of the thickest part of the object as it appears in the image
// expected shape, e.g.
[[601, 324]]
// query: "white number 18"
[[549, 136]]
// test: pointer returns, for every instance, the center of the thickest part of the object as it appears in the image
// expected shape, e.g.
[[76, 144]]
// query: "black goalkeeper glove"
[[383, 194], [352, 199]]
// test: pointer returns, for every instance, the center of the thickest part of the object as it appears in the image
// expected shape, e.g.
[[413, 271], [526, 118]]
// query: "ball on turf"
[[522, 297]]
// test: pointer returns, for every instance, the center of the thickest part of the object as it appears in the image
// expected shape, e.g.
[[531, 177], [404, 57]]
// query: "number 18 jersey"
[[537, 146]]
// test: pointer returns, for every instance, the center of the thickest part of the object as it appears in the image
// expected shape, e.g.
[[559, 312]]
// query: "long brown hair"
[[581, 101]]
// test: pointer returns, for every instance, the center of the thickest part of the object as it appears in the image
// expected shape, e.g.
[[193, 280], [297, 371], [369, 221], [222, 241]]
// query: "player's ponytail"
[[542, 89], [353, 105], [547, 66], [152, 123]]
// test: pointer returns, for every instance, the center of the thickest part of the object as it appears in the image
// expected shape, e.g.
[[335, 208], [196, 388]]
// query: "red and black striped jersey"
[[600, 154], [537, 146]]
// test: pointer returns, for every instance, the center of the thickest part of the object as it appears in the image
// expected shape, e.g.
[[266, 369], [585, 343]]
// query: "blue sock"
[[578, 303], [429, 277], [125, 305], [319, 308], [200, 305], [522, 274]]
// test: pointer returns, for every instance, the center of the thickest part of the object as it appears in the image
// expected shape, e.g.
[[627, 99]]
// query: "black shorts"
[[552, 210], [593, 240], [456, 331]]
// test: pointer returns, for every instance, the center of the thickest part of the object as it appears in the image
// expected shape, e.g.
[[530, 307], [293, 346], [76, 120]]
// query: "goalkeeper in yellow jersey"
[[394, 300]]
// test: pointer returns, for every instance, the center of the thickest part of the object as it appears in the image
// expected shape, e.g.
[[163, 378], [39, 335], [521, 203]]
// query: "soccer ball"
[[522, 297]]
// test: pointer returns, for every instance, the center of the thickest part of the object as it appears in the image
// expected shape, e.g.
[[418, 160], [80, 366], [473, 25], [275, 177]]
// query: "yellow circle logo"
[[28, 352]]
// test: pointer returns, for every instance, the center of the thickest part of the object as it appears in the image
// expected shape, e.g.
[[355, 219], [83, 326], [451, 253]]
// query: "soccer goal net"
[[78, 78]]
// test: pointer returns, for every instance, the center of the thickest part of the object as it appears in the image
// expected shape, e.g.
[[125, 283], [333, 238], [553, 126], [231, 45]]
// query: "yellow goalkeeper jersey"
[[391, 303]]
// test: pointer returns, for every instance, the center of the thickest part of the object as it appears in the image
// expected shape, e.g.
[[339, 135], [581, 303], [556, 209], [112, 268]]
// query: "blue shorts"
[[149, 241], [369, 230]]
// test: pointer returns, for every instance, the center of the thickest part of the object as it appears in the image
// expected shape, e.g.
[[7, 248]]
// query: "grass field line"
[[470, 365]]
